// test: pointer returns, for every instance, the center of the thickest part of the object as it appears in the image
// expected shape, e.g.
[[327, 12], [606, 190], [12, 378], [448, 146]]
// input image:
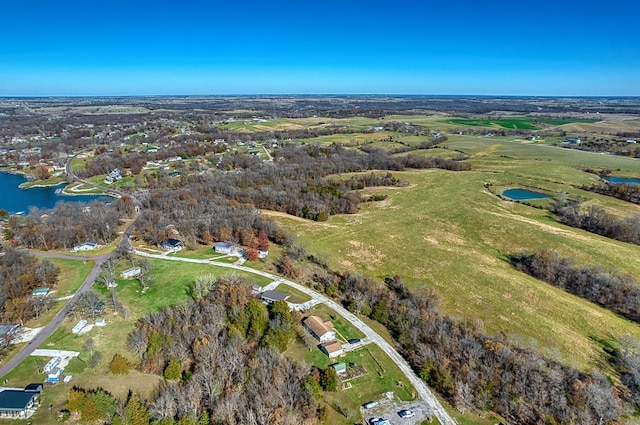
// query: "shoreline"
[[63, 192]]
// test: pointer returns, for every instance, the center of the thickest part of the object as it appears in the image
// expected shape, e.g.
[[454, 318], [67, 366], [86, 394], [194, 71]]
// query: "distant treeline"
[[624, 191], [618, 293], [596, 220]]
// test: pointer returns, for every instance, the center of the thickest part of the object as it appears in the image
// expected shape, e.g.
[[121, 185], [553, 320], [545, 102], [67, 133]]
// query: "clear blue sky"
[[117, 47]]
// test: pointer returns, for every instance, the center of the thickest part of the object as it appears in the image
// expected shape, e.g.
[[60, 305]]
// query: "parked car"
[[370, 404], [406, 413], [354, 341]]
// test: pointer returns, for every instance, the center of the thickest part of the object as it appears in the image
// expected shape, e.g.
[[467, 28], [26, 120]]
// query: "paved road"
[[421, 387], [48, 330]]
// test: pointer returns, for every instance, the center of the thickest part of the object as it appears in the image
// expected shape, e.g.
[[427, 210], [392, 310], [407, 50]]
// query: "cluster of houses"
[[324, 332]]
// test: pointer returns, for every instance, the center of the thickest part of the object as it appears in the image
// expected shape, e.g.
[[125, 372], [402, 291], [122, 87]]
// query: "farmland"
[[446, 230]]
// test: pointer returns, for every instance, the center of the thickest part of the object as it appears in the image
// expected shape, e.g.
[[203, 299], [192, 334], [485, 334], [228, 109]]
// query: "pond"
[[523, 194], [15, 200], [620, 180]]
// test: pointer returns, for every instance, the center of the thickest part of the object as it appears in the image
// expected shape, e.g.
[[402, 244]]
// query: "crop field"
[[447, 231], [516, 123]]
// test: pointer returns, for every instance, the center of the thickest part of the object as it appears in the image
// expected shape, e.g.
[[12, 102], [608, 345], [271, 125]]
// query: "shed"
[[40, 292], [35, 387], [54, 376], [340, 367]]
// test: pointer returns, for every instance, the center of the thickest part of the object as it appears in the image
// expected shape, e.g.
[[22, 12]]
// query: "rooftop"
[[318, 326], [16, 399]]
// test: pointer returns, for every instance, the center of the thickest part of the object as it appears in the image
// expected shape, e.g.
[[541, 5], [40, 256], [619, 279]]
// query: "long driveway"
[[421, 387]]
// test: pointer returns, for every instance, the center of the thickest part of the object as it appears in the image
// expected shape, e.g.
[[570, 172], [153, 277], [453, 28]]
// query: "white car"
[[406, 413]]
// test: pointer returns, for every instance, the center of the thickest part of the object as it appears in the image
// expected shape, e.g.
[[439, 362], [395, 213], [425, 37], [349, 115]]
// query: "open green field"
[[447, 231], [171, 281], [516, 123]]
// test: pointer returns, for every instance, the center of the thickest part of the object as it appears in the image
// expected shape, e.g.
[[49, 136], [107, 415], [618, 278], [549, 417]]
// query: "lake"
[[619, 180], [523, 194], [13, 199]]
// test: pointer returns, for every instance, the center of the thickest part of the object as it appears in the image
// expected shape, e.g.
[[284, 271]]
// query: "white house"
[[131, 273], [78, 327], [223, 247], [87, 246], [171, 244], [323, 331]]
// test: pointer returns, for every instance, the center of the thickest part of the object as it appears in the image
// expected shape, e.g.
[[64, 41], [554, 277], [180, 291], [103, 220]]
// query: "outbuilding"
[[332, 349]]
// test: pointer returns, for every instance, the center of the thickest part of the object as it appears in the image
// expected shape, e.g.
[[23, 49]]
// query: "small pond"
[[523, 194], [619, 180]]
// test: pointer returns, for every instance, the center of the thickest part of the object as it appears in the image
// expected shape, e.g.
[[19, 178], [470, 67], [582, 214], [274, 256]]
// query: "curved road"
[[51, 327], [421, 387]]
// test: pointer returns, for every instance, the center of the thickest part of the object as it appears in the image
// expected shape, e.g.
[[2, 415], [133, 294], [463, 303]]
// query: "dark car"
[[354, 340]]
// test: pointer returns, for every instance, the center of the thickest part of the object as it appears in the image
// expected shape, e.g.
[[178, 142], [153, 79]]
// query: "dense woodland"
[[220, 357], [66, 225], [20, 274], [619, 293]]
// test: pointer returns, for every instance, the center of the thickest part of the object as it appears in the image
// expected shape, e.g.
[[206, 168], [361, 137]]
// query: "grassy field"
[[447, 231], [516, 123], [171, 280], [53, 181]]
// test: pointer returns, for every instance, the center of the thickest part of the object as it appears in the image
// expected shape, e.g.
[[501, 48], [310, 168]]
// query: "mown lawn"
[[447, 231], [382, 376], [171, 280]]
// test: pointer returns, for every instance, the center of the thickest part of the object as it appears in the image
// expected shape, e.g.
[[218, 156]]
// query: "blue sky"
[[116, 47]]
